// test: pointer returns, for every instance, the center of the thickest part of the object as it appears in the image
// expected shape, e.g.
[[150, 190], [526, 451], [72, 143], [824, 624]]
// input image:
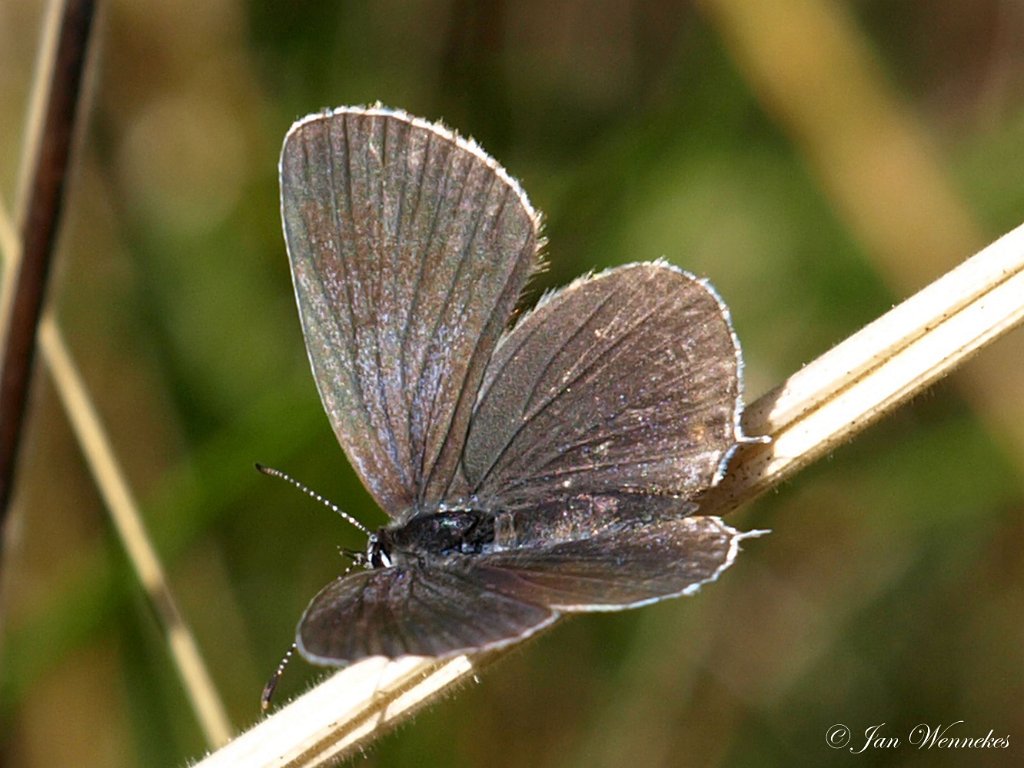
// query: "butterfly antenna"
[[271, 686], [312, 494]]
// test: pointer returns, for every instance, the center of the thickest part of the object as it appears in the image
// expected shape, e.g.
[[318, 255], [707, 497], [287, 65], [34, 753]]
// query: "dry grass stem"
[[109, 477], [827, 402], [351, 707], [869, 374]]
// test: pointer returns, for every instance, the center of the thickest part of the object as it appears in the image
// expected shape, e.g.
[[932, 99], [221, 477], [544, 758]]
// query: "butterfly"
[[529, 469]]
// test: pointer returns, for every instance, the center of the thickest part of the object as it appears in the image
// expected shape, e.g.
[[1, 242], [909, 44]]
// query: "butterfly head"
[[378, 550]]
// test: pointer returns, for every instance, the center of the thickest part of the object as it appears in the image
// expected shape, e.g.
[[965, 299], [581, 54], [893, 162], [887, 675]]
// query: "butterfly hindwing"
[[627, 381], [623, 567], [469, 604]]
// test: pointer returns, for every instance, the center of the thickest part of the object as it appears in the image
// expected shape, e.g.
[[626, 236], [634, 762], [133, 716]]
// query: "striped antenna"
[[269, 688], [312, 494]]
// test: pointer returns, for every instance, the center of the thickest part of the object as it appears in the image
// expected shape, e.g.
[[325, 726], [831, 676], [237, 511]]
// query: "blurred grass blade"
[[124, 513], [85, 422], [822, 82], [58, 87]]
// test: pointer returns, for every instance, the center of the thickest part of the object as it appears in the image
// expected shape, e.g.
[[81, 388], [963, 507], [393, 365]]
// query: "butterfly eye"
[[377, 555]]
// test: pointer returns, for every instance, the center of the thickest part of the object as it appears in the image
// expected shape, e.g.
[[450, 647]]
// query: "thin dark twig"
[[39, 233]]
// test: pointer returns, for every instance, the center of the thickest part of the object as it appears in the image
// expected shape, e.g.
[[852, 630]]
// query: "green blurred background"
[[818, 161]]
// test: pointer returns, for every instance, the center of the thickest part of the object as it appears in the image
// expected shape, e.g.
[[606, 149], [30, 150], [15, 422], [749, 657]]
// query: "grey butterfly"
[[528, 470]]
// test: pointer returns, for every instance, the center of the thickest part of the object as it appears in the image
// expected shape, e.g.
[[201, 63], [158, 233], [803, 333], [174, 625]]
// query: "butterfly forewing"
[[413, 611], [627, 381], [409, 248]]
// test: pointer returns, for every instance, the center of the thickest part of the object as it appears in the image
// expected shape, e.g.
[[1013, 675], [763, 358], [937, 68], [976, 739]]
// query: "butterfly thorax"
[[452, 532], [438, 534]]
